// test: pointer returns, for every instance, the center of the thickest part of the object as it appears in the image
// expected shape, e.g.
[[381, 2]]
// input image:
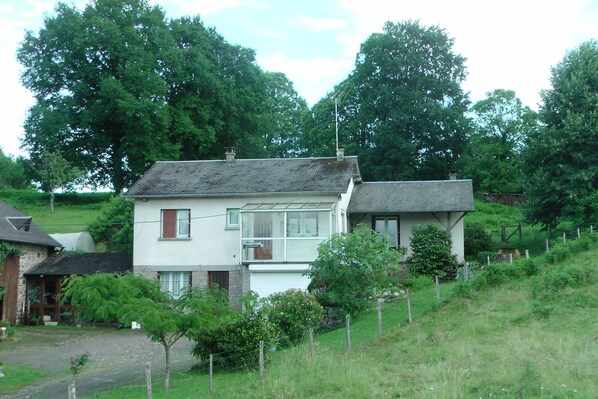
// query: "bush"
[[294, 312], [476, 239], [236, 343], [482, 257], [431, 248]]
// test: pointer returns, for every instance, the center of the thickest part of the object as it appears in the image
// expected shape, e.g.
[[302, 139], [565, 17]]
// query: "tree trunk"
[[167, 374], [51, 201]]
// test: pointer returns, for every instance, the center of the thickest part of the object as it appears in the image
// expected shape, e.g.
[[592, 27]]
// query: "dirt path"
[[118, 357]]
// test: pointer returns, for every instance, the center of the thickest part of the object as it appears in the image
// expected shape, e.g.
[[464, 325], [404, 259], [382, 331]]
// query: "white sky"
[[509, 44]]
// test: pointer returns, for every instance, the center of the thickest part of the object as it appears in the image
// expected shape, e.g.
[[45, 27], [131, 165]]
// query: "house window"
[[389, 227], [232, 218], [174, 283], [176, 223], [219, 279], [302, 224]]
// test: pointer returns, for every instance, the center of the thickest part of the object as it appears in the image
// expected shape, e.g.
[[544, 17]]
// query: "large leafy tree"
[[97, 76], [562, 158], [500, 127], [13, 172], [402, 106]]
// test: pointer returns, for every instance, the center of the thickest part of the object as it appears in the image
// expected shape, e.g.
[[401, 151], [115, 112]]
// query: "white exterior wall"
[[409, 221]]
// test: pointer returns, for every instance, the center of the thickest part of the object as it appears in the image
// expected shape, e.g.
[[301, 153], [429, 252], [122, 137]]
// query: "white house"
[[255, 224]]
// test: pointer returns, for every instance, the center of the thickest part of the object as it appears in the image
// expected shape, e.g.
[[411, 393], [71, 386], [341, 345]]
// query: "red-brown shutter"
[[169, 223]]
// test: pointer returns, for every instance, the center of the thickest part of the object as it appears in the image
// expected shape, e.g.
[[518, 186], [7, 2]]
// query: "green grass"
[[16, 377], [72, 212], [527, 337]]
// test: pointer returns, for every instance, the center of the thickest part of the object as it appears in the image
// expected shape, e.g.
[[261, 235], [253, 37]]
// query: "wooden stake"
[[379, 310], [564, 238], [526, 254], [348, 331], [148, 380], [437, 290], [211, 379], [578, 233], [547, 246], [262, 369], [511, 258], [488, 261], [311, 342], [465, 272], [408, 294]]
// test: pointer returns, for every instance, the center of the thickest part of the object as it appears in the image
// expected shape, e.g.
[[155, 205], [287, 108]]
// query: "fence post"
[[526, 254], [488, 261], [510, 258], [591, 229], [408, 294], [547, 246], [437, 290], [348, 331], [379, 310], [72, 390], [148, 380], [211, 378], [262, 370], [578, 233], [465, 272], [311, 342], [564, 238]]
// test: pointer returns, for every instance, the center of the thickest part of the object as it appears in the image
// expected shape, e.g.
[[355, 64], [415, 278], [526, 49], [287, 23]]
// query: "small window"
[[175, 283], [388, 226], [176, 223], [232, 218]]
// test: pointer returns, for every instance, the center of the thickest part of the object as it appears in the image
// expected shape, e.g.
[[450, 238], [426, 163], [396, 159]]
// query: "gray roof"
[[84, 264], [412, 197], [246, 177], [17, 227]]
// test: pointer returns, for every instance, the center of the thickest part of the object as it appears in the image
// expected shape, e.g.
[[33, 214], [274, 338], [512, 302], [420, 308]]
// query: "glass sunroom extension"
[[285, 232]]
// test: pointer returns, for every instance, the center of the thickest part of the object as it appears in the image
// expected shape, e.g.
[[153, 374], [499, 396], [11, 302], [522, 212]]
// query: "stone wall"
[[31, 255], [503, 198]]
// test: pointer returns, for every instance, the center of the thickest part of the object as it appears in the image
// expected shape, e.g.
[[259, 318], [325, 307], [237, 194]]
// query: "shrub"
[[482, 257], [352, 270], [476, 239], [236, 343], [431, 248], [294, 312]]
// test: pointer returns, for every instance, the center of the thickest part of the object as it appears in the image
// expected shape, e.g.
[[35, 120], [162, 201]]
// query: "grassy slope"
[[504, 342], [73, 212]]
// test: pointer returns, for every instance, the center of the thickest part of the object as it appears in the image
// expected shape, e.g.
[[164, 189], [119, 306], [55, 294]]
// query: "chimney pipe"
[[340, 153], [452, 175], [229, 152]]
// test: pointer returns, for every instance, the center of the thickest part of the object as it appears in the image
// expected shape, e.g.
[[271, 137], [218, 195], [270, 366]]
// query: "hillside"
[[73, 212], [527, 330]]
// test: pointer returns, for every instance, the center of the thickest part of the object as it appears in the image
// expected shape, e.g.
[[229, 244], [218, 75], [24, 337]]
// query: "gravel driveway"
[[118, 357]]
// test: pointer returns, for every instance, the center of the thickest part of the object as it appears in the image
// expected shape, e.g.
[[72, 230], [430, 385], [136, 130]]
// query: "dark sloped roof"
[[246, 177], [412, 197], [22, 230], [84, 264]]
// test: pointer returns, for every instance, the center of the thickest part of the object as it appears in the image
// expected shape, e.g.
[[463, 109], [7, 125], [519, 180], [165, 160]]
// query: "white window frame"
[[302, 218], [230, 213], [168, 280]]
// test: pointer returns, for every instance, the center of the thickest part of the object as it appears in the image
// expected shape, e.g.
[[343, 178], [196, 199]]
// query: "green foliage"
[[101, 297], [52, 172], [294, 312], [402, 108], [78, 363], [6, 249], [482, 257], [13, 173], [235, 343], [562, 175], [431, 248], [476, 239], [353, 270], [500, 126], [114, 225]]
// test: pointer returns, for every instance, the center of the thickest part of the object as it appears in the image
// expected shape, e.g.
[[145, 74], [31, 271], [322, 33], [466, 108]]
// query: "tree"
[[500, 127], [561, 159], [354, 269], [52, 171], [431, 253], [129, 298], [284, 117], [13, 172], [403, 104], [114, 225], [100, 91]]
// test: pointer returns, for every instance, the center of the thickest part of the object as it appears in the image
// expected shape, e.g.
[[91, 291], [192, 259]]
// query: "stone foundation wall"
[[31, 255]]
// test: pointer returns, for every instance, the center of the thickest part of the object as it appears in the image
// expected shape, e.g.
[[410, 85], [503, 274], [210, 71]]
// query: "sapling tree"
[[431, 252], [353, 270], [127, 298]]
